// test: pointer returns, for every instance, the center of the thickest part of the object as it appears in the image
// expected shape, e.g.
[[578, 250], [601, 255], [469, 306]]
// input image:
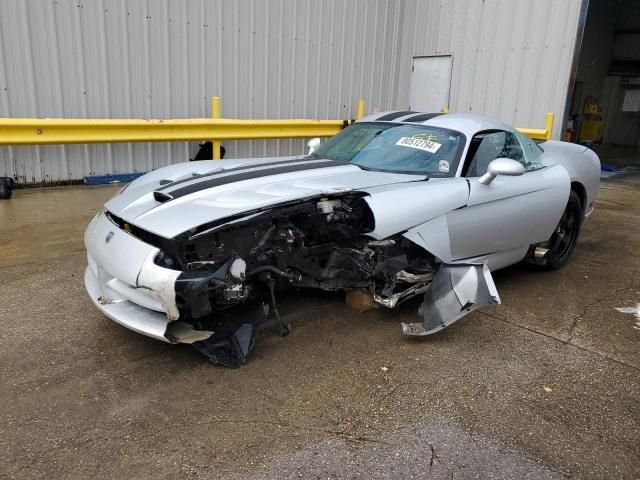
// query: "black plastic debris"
[[230, 351], [205, 152], [6, 188]]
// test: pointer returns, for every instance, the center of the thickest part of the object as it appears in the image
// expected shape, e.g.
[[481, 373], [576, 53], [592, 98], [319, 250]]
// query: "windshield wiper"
[[402, 172]]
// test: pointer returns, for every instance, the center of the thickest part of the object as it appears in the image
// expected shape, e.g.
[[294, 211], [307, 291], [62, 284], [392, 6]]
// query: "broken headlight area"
[[321, 243]]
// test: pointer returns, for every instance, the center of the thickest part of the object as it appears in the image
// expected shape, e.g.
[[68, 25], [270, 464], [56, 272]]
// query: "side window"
[[491, 146], [531, 151]]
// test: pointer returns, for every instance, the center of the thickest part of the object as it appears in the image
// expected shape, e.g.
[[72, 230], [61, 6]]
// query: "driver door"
[[512, 211]]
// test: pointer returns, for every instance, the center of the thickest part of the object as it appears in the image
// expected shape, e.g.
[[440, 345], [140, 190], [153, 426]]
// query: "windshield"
[[398, 148]]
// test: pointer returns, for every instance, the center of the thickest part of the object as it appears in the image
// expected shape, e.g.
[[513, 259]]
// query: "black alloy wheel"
[[564, 238]]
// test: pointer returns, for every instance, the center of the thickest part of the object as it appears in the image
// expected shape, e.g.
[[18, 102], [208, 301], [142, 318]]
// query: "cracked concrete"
[[587, 307], [544, 386]]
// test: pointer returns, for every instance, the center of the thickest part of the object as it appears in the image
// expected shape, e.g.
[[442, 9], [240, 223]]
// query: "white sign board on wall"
[[631, 102]]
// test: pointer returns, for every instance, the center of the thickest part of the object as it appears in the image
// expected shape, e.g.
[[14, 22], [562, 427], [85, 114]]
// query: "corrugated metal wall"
[[511, 58], [266, 59], [166, 58]]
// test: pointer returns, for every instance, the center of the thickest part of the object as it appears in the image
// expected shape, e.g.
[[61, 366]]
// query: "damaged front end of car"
[[230, 271]]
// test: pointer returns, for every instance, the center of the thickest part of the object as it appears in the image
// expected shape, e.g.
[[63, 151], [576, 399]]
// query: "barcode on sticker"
[[419, 143]]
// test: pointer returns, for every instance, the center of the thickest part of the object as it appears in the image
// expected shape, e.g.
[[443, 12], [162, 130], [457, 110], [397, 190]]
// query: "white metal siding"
[[265, 59], [511, 58]]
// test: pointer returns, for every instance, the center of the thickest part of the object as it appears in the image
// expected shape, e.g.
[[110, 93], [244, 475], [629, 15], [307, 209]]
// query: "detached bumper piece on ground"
[[397, 206]]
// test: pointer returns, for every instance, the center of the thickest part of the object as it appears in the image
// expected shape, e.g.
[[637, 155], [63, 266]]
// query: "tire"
[[5, 188], [564, 238]]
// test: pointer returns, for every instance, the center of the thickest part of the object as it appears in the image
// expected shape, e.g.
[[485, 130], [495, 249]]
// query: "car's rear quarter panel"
[[582, 164]]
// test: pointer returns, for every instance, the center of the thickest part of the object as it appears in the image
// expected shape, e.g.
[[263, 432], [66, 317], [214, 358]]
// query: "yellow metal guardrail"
[[540, 133], [51, 131]]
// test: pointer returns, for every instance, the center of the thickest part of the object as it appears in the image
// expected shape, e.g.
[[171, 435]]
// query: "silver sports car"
[[398, 205]]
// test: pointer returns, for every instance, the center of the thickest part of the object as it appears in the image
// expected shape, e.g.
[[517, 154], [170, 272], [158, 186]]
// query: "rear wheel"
[[564, 238]]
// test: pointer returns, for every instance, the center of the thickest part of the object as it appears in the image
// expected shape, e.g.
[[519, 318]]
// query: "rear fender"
[[455, 291]]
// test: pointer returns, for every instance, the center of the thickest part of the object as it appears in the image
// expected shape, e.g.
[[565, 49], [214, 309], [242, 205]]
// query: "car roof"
[[467, 123]]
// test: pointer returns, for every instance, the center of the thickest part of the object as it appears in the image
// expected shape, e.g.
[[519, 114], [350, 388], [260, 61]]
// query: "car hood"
[[176, 198]]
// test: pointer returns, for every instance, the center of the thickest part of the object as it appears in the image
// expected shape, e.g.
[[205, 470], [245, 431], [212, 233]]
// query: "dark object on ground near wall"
[[206, 152], [6, 186]]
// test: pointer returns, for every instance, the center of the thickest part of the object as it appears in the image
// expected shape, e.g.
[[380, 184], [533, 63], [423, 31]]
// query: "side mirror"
[[313, 145], [501, 166]]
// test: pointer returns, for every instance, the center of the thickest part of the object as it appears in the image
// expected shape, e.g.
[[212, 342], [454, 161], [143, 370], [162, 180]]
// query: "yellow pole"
[[548, 124], [360, 109], [215, 113], [445, 110]]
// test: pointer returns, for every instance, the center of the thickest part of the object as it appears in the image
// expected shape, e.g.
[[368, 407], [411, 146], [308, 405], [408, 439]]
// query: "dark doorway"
[[605, 105]]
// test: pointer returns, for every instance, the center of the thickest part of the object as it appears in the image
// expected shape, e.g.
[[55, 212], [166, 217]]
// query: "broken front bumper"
[[124, 311], [127, 286]]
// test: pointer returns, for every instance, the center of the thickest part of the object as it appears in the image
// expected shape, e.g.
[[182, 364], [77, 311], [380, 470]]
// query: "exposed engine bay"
[[318, 243], [232, 270]]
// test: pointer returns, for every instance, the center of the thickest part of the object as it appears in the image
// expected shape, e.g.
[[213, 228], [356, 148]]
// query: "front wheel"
[[564, 238]]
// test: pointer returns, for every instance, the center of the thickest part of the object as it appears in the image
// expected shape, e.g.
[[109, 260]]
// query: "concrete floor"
[[546, 385]]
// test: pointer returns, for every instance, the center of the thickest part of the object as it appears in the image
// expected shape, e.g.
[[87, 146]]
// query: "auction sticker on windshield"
[[419, 143]]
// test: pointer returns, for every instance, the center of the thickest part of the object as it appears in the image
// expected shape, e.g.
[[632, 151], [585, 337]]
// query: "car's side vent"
[[162, 197]]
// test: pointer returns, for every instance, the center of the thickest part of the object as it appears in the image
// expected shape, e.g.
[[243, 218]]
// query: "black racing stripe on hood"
[[215, 182], [394, 115], [422, 117], [230, 170]]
